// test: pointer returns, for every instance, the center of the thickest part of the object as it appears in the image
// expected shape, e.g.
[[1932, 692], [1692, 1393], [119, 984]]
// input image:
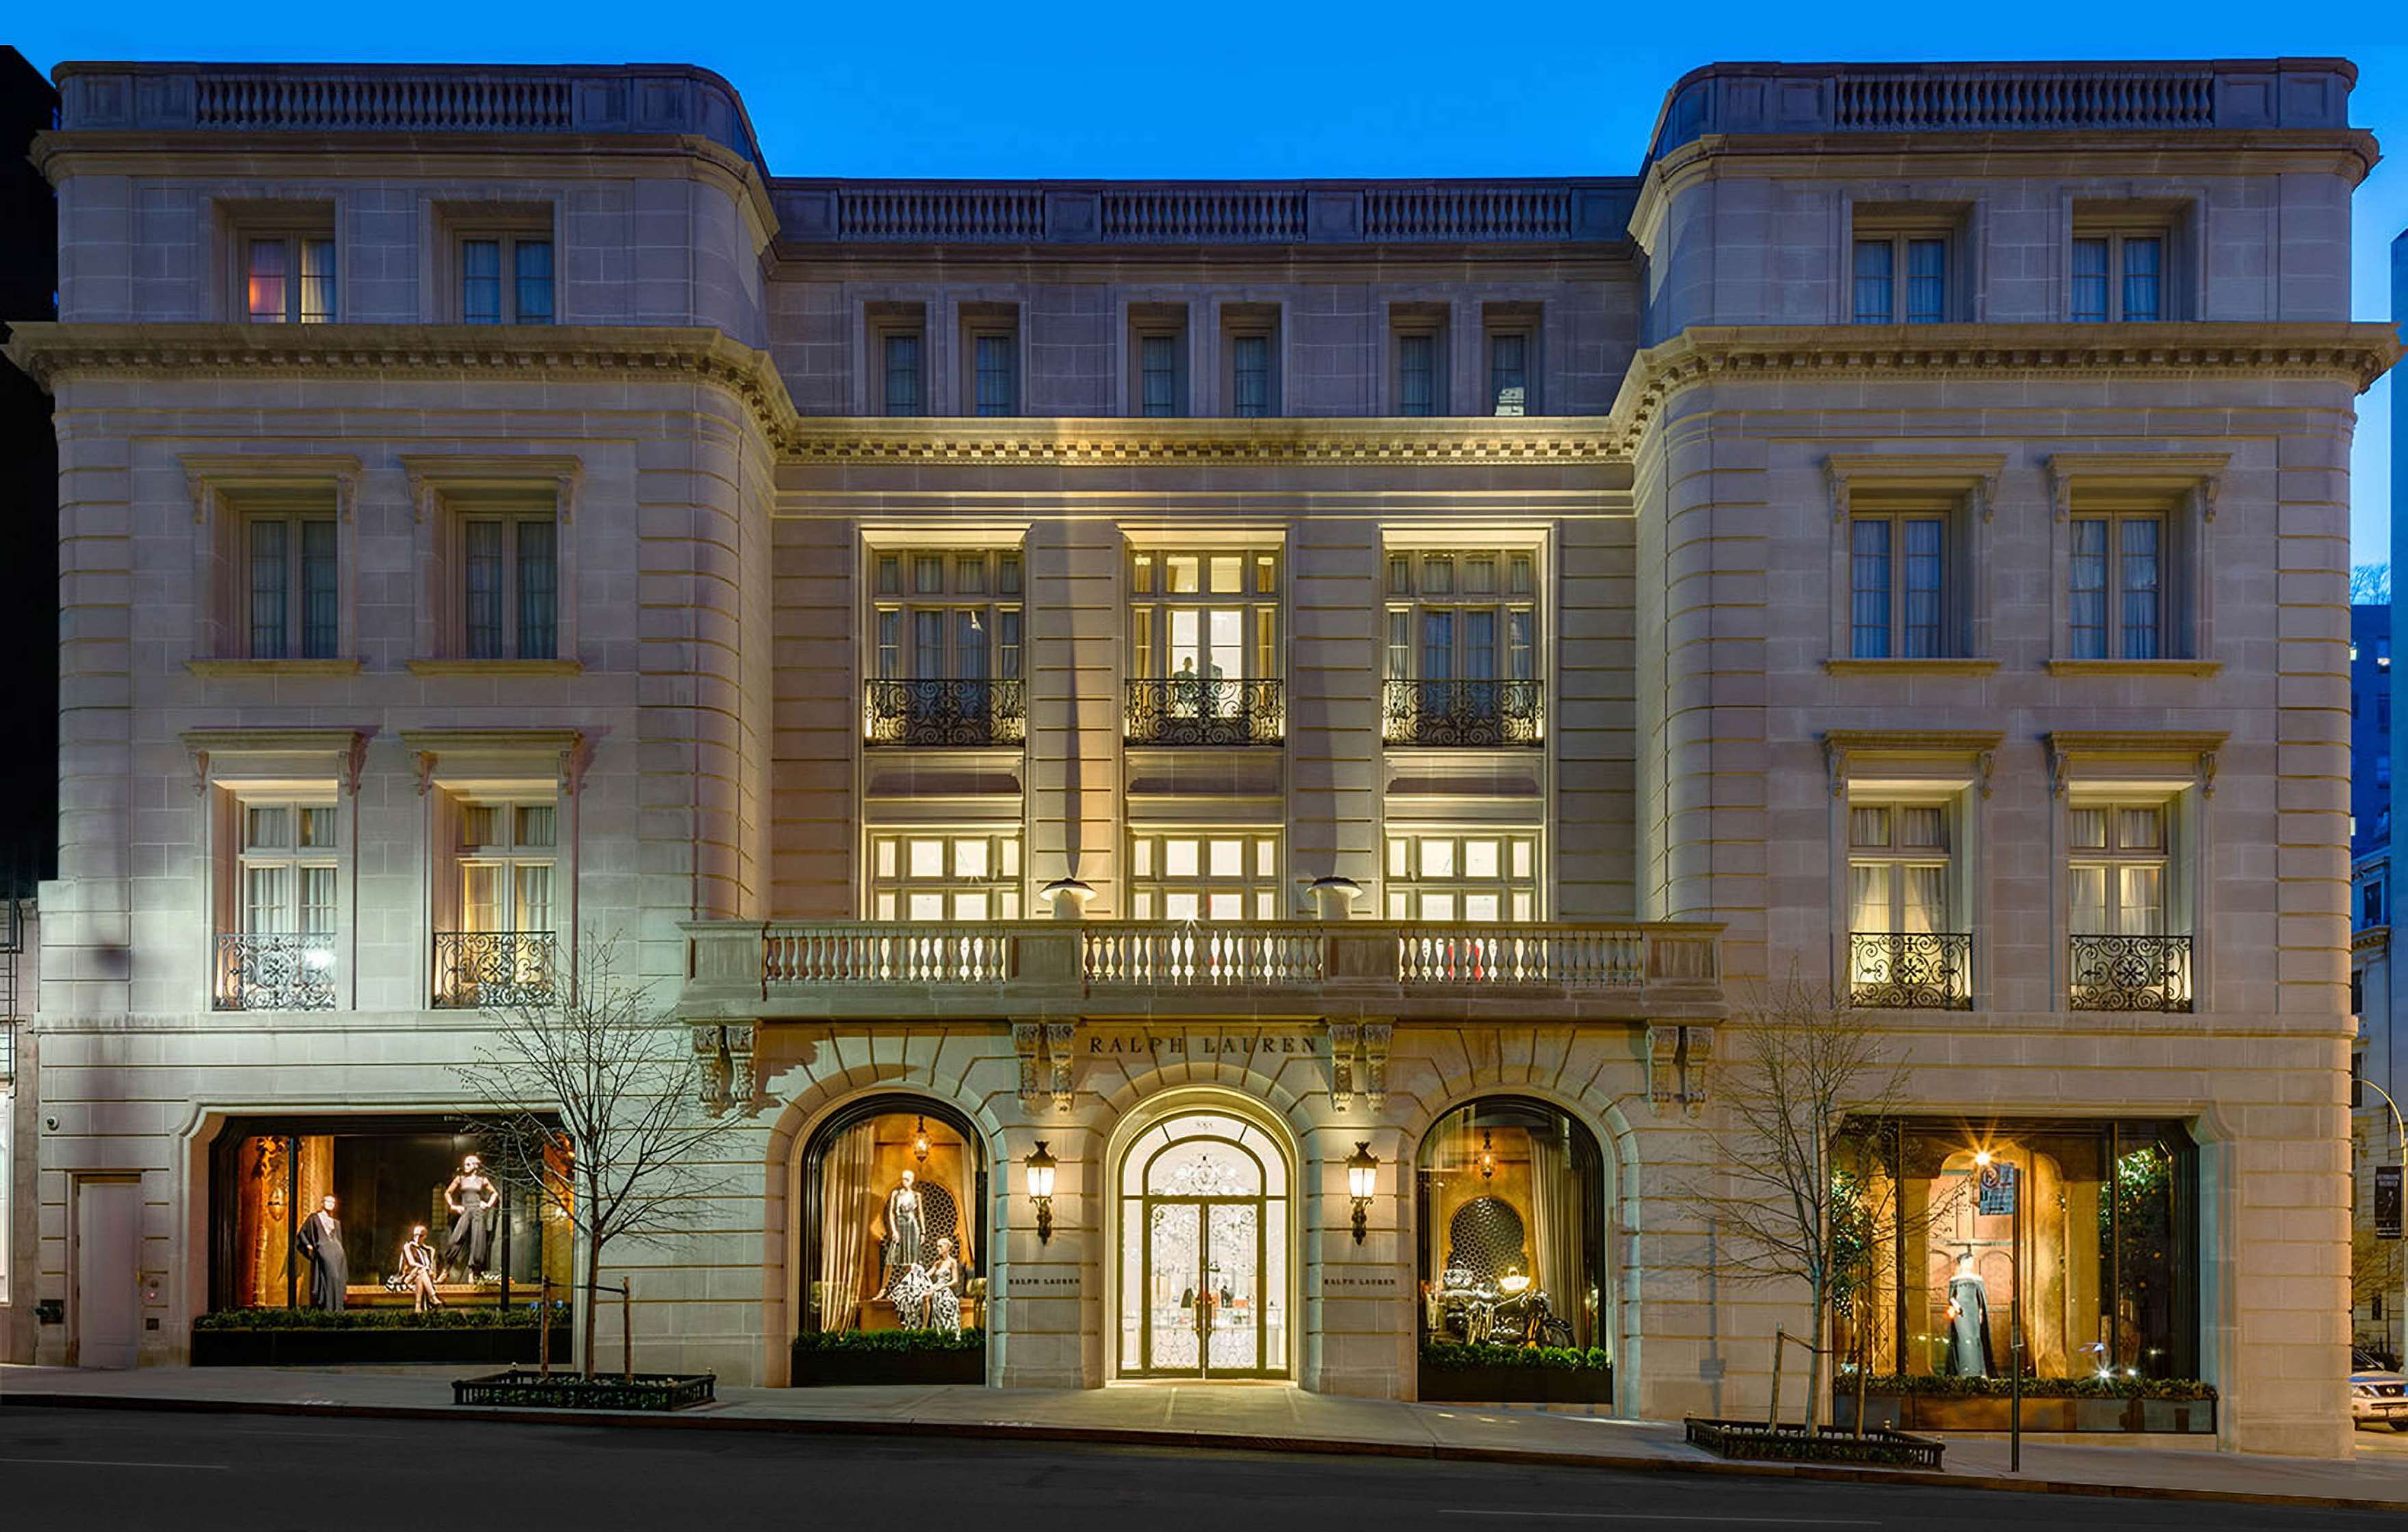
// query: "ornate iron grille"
[[2131, 973], [275, 972], [1193, 710], [946, 712], [474, 969], [1475, 713], [1929, 970]]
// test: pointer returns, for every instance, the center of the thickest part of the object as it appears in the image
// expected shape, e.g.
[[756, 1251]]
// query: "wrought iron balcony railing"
[[474, 969], [275, 971], [1924, 970], [2130, 973], [1474, 713], [1197, 711], [945, 712]]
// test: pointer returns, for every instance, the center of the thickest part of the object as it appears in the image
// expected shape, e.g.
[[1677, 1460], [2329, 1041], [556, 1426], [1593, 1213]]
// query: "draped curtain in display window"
[[847, 1207]]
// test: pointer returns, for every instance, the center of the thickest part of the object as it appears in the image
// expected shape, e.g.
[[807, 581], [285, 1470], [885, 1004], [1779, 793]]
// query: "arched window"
[[893, 1230]]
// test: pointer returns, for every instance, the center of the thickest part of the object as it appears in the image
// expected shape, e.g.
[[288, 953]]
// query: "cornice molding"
[[2355, 354], [346, 749], [1973, 475], [1523, 438], [1977, 748], [566, 751], [2195, 748]]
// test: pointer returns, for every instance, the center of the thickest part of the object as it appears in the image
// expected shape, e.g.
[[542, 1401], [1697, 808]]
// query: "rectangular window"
[[509, 587], [902, 358], [290, 279], [1461, 649], [1222, 875], [1417, 374], [1879, 262], [1927, 280], [2118, 869], [2116, 600], [996, 358], [1484, 876], [276, 939], [930, 875], [1158, 375], [1899, 587], [946, 665], [1250, 375], [1509, 372], [293, 588], [1906, 945], [2117, 277], [1876, 281], [506, 278]]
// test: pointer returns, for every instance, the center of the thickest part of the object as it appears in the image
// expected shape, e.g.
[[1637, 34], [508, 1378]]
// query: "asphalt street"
[[128, 1471]]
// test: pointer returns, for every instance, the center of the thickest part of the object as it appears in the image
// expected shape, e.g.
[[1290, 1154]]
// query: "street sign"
[[2386, 1202], [1998, 1189]]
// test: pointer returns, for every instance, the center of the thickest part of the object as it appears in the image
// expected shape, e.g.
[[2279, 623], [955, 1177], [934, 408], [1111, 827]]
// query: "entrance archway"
[[1206, 1249]]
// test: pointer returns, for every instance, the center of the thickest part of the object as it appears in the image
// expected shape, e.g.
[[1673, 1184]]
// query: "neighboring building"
[[956, 634], [29, 625], [2370, 726], [2376, 1316]]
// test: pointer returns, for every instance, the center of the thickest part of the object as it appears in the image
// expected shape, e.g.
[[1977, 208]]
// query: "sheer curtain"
[[1555, 1229], [845, 1202]]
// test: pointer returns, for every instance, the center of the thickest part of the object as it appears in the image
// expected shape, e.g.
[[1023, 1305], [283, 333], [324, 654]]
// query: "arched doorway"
[[894, 1238], [1205, 1249]]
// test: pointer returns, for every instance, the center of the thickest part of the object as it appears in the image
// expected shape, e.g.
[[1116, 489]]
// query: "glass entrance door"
[[1203, 1260]]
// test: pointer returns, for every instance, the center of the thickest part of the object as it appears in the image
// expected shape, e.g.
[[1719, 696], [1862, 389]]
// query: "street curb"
[[1191, 1441]]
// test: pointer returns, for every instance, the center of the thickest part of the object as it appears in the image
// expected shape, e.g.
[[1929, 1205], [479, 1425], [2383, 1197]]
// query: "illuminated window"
[[933, 874], [1482, 876], [289, 278], [2119, 868], [1221, 874]]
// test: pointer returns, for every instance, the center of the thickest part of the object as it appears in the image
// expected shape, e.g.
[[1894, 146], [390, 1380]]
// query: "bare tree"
[[1796, 1194], [596, 1096], [2370, 584]]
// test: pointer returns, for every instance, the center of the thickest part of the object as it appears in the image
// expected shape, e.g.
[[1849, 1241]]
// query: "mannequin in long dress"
[[945, 1290], [472, 1198], [906, 1227], [1969, 1321], [418, 1270], [320, 1243]]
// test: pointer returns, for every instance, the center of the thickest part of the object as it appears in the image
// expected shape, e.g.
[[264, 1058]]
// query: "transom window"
[[2117, 601], [507, 858], [1204, 615], [288, 863], [289, 278], [293, 588], [1898, 586], [506, 278], [1480, 876], [2119, 868], [2118, 275], [1901, 279], [944, 874], [947, 614], [1218, 875], [510, 562], [1471, 615], [1898, 868]]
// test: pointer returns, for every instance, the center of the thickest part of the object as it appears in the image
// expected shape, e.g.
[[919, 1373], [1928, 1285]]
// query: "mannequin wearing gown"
[[906, 1227], [945, 1290], [472, 1198], [418, 1270], [320, 1243], [1969, 1321]]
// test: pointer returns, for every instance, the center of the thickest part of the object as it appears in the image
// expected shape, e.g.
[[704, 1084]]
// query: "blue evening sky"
[[1253, 89]]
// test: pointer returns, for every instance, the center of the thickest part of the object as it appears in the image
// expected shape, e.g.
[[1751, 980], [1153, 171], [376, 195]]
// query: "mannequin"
[[905, 1227], [945, 1290], [418, 1270], [472, 1198], [320, 1243], [1968, 1321]]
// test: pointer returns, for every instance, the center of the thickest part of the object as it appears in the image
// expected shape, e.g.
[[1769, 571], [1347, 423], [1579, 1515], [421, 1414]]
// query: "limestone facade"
[[1186, 452]]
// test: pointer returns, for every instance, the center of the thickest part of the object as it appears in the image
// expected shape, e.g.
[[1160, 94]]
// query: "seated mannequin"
[[944, 1302]]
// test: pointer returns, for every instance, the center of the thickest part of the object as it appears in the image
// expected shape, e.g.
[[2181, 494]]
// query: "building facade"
[[1212, 760]]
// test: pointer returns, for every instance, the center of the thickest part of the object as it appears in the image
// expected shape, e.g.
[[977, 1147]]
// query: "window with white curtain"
[[1898, 868], [1898, 586], [946, 614], [2116, 606], [291, 585], [2118, 275], [1900, 278], [2118, 869], [506, 859], [288, 882], [289, 278]]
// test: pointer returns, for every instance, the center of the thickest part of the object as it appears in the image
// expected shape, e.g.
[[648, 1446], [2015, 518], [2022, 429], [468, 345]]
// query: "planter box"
[[1936, 1412], [499, 1347], [1794, 1444], [1516, 1385], [567, 1391], [815, 1368]]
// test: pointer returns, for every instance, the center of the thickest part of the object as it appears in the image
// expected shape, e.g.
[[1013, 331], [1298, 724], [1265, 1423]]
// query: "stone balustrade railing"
[[2104, 97], [874, 969]]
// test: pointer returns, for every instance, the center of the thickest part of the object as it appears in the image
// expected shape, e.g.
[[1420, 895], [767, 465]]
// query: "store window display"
[[1511, 1220], [335, 1212], [2108, 1273], [894, 1192]]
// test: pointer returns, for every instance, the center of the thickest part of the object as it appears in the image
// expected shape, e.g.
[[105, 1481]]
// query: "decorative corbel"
[[200, 773], [2060, 489], [1982, 762], [2207, 773], [1343, 1037], [574, 758], [744, 1066], [1986, 494], [1376, 1036], [717, 1067], [1835, 764], [347, 491], [1837, 478], [1059, 1041], [422, 764], [2203, 495], [355, 761], [1663, 1065], [1028, 1042], [1696, 1062], [2059, 767], [196, 484], [566, 485]]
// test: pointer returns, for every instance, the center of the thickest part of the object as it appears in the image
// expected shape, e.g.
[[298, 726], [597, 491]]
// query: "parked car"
[[2377, 1394]]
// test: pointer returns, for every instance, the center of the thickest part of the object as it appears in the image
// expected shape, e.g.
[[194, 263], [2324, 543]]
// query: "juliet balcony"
[[2130, 973], [1911, 970], [1206, 710], [1262, 971], [1474, 714], [475, 969], [934, 712], [274, 971]]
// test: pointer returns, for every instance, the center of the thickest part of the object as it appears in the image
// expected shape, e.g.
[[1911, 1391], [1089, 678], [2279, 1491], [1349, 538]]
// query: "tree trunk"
[[1818, 1387], [593, 1280]]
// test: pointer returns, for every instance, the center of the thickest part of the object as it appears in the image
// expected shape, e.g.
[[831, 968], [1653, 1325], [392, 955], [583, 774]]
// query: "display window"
[[893, 1221], [2093, 1226], [1511, 1196], [345, 1213]]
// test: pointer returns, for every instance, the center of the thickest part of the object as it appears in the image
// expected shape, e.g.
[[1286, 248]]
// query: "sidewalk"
[[1240, 1416]]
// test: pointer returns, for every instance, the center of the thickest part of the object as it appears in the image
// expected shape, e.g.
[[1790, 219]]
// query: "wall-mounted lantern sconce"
[[1362, 1173], [1039, 1166]]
